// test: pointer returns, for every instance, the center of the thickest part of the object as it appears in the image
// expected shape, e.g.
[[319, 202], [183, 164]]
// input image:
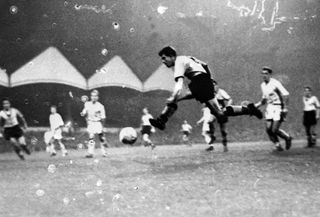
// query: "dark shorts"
[[202, 88], [13, 132], [146, 130], [187, 133], [309, 118]]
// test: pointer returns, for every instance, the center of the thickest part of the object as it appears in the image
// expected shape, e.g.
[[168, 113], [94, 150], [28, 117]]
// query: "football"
[[128, 136]]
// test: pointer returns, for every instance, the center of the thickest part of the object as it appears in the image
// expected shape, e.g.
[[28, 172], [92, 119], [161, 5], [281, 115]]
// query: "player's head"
[[266, 73], [6, 104], [94, 95], [145, 111], [307, 91], [168, 56], [53, 109], [185, 122]]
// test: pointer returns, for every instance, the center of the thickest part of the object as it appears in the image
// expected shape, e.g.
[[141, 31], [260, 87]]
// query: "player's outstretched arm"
[[22, 119]]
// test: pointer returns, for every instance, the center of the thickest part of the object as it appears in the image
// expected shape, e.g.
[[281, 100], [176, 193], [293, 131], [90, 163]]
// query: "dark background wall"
[[235, 47]]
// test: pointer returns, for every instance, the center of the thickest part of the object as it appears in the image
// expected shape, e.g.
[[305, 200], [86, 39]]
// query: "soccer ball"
[[128, 135]]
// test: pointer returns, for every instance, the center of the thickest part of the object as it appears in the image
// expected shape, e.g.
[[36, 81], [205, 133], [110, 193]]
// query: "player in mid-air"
[[95, 115], [186, 129], [311, 115], [201, 88], [146, 128], [10, 119], [56, 124], [276, 97]]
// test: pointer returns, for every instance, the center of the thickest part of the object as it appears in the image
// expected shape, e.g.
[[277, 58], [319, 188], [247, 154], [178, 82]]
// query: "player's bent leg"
[[313, 135], [167, 112], [216, 111], [103, 144], [23, 145], [282, 134], [16, 148], [63, 148], [272, 136]]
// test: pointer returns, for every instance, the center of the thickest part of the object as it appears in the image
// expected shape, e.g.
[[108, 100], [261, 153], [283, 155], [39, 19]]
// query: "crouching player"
[[276, 97], [95, 115], [10, 119], [201, 88], [311, 115], [146, 128], [56, 124]]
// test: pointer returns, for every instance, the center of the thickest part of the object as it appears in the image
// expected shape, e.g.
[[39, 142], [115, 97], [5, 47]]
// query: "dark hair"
[[268, 69], [168, 51], [5, 99], [307, 87]]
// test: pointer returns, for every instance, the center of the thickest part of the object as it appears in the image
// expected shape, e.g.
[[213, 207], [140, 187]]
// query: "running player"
[[186, 129], [207, 120], [201, 88], [146, 128], [276, 97], [224, 101], [95, 115], [56, 124], [10, 119], [311, 114]]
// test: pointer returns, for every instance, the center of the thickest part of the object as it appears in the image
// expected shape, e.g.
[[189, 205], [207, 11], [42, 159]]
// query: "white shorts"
[[205, 127], [273, 112], [52, 135], [94, 127]]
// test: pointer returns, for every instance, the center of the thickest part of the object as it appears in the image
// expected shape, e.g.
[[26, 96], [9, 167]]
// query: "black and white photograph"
[[158, 108]]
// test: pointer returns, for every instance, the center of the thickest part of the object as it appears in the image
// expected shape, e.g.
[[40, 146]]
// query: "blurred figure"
[[146, 128], [10, 119], [224, 101], [56, 125], [95, 115], [311, 114], [207, 121], [186, 129], [276, 97]]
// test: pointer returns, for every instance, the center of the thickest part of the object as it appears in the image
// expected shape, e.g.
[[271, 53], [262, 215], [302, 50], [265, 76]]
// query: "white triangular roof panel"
[[115, 73], [49, 67], [4, 79], [161, 79]]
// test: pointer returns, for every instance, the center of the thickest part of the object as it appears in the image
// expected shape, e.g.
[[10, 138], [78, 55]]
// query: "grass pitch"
[[249, 180]]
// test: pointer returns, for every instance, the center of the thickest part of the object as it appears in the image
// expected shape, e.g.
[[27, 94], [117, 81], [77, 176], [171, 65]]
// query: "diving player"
[[201, 88]]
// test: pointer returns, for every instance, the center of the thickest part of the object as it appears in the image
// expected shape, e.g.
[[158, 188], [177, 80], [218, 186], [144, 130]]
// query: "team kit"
[[217, 109]]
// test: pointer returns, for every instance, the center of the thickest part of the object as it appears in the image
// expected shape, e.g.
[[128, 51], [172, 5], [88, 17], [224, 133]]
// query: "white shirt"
[[221, 96], [145, 120], [95, 111], [207, 116], [55, 121], [273, 91], [311, 103], [186, 127], [10, 117], [185, 65]]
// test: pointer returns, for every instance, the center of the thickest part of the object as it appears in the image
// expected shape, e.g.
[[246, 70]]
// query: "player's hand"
[[171, 100], [284, 114]]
